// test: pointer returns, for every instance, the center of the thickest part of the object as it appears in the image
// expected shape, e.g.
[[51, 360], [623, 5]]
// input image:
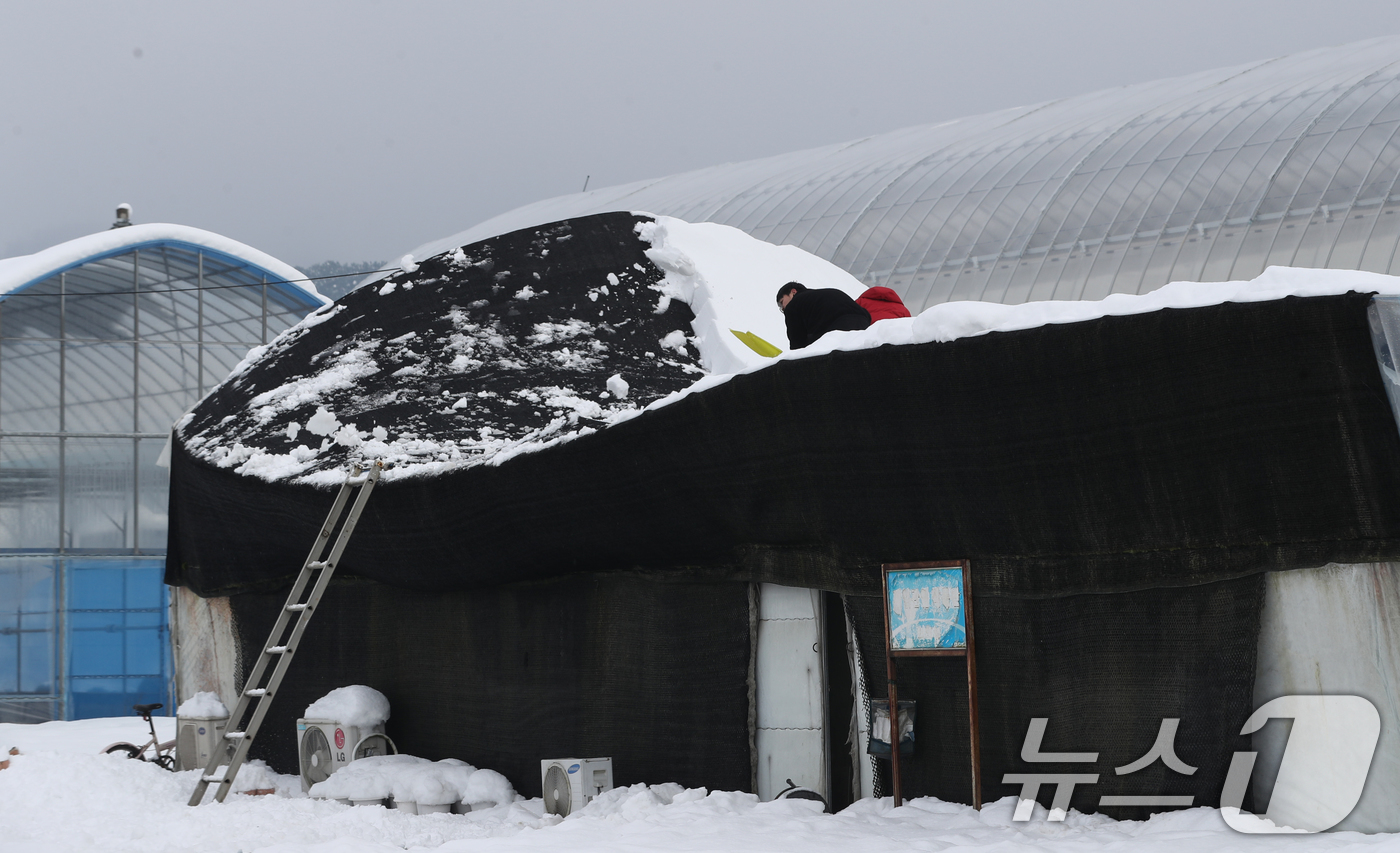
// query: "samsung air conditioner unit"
[[197, 738], [571, 783], [325, 746]]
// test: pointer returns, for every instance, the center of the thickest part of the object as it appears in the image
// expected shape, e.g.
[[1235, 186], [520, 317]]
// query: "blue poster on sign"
[[926, 609]]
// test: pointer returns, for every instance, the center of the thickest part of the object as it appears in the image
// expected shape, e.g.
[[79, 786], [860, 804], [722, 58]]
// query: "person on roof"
[[809, 314], [882, 303]]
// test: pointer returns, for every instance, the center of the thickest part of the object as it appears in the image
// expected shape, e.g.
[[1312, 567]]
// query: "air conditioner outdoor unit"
[[571, 783], [325, 746], [197, 738]]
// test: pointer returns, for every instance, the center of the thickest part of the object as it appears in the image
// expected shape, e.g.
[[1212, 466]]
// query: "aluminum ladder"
[[315, 574]]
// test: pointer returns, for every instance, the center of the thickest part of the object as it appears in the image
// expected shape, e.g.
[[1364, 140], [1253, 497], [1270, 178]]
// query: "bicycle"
[[162, 754]]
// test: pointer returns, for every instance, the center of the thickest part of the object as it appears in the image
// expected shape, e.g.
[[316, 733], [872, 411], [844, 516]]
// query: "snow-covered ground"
[[59, 795]]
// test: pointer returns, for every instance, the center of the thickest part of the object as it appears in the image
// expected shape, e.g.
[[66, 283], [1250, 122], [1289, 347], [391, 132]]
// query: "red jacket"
[[882, 303]]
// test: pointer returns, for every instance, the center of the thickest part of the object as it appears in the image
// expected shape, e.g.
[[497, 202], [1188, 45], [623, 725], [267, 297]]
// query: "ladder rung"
[[296, 608], [318, 564], [357, 481], [218, 779], [279, 650], [235, 735], [255, 691]]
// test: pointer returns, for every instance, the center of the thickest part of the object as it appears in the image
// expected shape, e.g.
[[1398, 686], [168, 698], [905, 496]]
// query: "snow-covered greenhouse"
[[608, 528], [104, 341]]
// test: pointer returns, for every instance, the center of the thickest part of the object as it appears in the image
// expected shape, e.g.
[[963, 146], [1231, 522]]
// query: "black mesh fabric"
[[1163, 449], [459, 360], [1118, 485], [639, 668], [1104, 669]]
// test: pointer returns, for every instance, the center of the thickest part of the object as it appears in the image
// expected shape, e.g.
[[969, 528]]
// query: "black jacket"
[[812, 313]]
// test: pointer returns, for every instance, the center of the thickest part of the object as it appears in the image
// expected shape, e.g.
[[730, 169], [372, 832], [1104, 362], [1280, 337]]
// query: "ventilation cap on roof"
[[123, 216]]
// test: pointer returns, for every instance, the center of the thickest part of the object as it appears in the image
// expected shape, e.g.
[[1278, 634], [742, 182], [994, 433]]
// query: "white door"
[[791, 691]]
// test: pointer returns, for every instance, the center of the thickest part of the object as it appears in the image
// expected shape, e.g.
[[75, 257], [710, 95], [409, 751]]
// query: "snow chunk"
[[675, 340], [205, 704], [321, 423], [406, 263], [388, 287], [356, 705], [348, 436], [525, 293], [567, 398], [617, 386], [546, 333]]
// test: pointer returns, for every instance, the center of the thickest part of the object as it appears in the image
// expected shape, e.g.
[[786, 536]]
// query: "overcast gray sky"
[[357, 130]]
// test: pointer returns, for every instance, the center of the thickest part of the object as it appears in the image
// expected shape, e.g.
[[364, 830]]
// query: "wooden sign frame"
[[968, 651]]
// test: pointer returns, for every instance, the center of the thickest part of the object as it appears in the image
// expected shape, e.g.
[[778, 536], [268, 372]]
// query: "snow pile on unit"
[[206, 704], [357, 705], [407, 778]]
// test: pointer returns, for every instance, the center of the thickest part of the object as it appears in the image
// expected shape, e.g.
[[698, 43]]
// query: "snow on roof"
[[728, 279], [726, 271], [19, 272], [472, 357], [731, 280]]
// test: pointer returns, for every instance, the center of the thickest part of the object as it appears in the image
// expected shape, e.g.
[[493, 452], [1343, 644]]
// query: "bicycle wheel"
[[130, 750]]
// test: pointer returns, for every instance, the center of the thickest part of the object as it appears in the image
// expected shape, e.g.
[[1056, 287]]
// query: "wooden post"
[[894, 728], [972, 727]]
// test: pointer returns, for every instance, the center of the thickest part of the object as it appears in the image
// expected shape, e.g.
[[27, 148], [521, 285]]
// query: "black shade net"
[[643, 670], [460, 360], [1105, 670]]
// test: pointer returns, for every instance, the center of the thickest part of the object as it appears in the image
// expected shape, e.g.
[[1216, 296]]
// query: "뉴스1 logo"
[[1324, 765], [1320, 779]]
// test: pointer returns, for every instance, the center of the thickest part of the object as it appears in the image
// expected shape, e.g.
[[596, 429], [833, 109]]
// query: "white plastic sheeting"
[[206, 654], [1335, 630]]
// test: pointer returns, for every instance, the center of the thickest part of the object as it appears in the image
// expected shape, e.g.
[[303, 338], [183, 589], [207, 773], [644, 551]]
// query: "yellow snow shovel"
[[757, 344]]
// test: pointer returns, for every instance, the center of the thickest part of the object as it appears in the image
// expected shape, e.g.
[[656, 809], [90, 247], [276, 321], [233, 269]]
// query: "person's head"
[[786, 292]]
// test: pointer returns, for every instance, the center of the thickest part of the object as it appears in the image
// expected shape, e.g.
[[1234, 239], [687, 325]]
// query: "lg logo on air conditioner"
[[1320, 778]]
